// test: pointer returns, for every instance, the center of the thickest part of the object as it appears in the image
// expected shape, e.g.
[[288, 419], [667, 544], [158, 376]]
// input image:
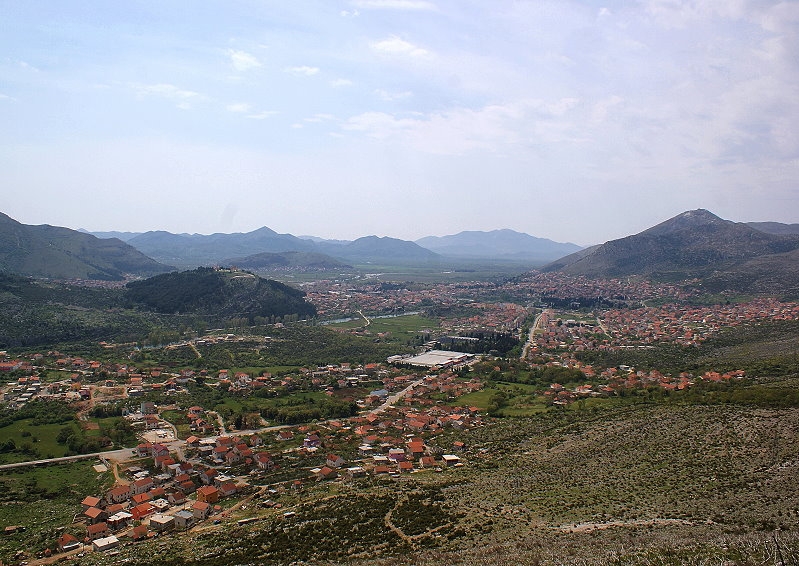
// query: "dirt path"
[[588, 527]]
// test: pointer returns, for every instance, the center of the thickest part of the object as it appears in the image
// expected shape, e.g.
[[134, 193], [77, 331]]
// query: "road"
[[602, 326], [533, 328], [122, 454], [178, 445], [394, 398]]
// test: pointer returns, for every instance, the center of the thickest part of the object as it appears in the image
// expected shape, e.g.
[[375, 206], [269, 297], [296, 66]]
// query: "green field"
[[402, 326], [43, 500], [41, 439]]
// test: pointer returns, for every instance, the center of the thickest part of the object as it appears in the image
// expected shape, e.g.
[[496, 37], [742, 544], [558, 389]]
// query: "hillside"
[[696, 244], [774, 227], [219, 293], [60, 253], [506, 244]]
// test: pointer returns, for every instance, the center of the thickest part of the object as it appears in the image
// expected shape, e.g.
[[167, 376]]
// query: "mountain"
[[191, 250], [505, 244], [305, 261], [696, 244], [61, 253], [775, 227], [124, 236], [221, 293], [385, 250]]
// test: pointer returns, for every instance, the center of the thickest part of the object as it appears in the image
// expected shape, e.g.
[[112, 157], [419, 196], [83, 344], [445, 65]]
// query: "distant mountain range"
[[500, 244], [756, 257], [60, 253], [697, 245]]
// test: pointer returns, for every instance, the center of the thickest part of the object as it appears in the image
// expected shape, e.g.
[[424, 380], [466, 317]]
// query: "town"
[[185, 447]]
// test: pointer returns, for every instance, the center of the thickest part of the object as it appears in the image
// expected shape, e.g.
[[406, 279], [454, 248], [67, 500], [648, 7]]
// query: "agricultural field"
[[400, 328]]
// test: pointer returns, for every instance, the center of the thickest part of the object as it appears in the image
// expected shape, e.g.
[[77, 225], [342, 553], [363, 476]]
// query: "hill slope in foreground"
[[639, 484]]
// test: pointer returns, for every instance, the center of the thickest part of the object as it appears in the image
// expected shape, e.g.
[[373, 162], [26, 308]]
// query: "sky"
[[578, 121]]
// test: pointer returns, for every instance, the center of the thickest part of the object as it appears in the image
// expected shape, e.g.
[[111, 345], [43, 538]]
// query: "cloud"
[[238, 107], [495, 128], [350, 14], [395, 4], [27, 66], [392, 96], [6, 97], [262, 115], [243, 61], [318, 118], [395, 45], [182, 97], [303, 71], [340, 83]]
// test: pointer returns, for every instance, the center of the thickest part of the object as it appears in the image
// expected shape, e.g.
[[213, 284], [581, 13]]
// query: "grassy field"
[[40, 438], [44, 500], [402, 326]]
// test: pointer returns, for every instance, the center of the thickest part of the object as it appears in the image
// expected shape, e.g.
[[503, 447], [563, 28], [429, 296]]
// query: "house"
[[285, 435], [450, 459], [140, 498], [227, 489], [355, 472], [141, 511], [201, 510], [427, 462], [207, 476], [118, 494], [139, 532], [334, 461], [159, 450], [90, 501], [105, 543], [264, 461], [187, 487], [184, 519], [406, 466], [208, 493], [161, 505], [161, 523], [326, 473], [67, 542], [119, 520], [176, 498], [98, 530], [95, 515], [142, 486]]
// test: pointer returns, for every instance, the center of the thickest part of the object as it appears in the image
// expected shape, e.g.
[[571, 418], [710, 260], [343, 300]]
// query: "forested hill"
[[218, 292]]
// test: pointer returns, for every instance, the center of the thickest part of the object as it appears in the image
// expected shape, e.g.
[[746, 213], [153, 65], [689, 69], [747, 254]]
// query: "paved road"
[[394, 398], [533, 328], [177, 445], [122, 454]]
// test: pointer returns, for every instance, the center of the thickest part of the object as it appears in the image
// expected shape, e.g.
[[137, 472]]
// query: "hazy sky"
[[575, 121]]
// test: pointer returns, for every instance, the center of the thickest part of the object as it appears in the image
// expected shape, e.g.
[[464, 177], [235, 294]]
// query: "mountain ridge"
[[695, 244], [62, 253]]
